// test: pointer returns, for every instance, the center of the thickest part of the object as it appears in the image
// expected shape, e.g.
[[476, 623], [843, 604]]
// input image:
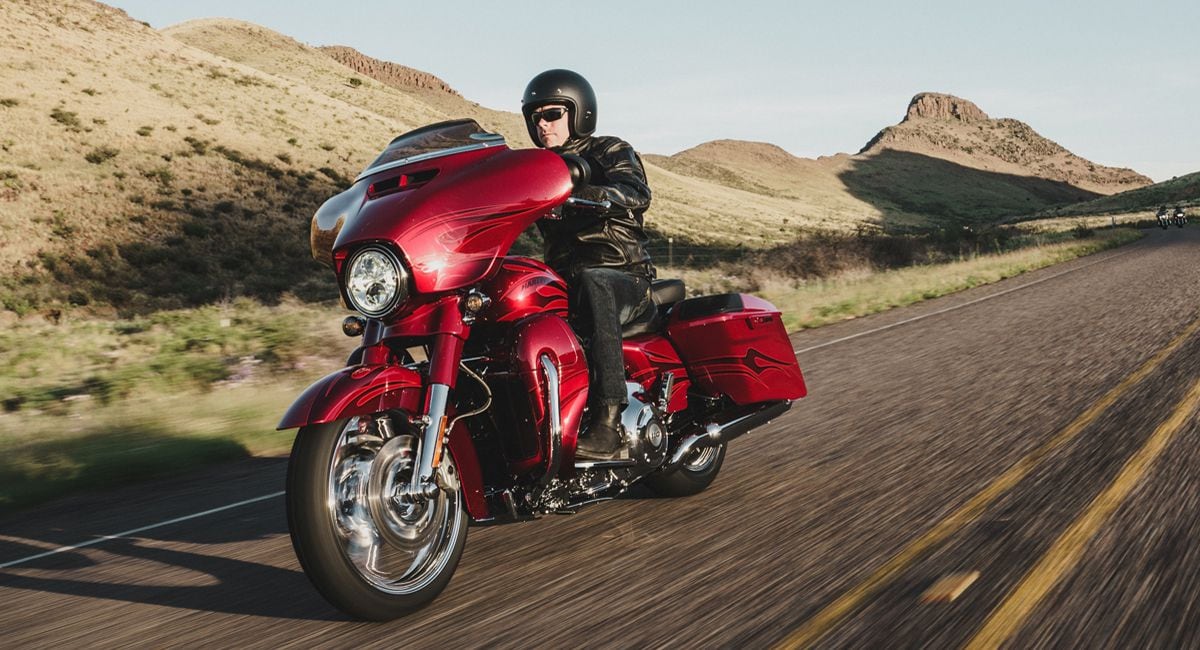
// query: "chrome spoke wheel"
[[398, 545]]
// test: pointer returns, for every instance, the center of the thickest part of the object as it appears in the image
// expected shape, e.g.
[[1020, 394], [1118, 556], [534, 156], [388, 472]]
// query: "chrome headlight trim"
[[375, 282]]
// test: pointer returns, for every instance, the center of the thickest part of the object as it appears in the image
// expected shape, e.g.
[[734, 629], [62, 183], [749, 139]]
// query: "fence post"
[[670, 251]]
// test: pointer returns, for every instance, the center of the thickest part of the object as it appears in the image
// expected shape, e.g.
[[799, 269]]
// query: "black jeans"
[[605, 300]]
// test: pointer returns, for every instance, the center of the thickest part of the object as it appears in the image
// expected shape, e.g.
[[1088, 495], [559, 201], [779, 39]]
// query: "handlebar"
[[603, 205]]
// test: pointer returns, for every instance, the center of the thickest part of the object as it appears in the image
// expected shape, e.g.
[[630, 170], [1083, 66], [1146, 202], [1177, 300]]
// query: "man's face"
[[554, 132]]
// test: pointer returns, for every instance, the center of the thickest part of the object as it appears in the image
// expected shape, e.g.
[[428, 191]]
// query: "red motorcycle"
[[464, 399]]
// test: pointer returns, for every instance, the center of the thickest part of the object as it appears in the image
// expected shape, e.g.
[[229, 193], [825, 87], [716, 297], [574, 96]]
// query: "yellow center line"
[[1067, 550], [816, 627]]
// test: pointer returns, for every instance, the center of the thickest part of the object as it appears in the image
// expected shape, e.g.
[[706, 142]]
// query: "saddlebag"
[[734, 344]]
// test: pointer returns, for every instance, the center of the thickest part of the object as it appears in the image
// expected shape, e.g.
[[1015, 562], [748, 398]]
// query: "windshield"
[[433, 141]]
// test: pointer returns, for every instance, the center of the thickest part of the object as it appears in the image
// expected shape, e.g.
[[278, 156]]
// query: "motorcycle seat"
[[663, 294]]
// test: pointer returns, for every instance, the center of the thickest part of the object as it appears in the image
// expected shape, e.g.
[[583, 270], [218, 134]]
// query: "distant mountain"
[[946, 162], [950, 128]]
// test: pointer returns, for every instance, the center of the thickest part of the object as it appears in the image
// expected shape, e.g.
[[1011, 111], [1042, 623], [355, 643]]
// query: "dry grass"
[[855, 294]]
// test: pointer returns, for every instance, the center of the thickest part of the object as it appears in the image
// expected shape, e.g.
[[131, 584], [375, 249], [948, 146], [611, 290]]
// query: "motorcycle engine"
[[646, 435]]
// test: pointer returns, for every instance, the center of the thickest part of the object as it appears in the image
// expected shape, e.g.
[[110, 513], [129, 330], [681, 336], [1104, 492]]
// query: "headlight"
[[376, 282]]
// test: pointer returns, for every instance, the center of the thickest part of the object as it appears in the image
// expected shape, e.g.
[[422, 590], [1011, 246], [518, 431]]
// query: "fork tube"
[[445, 354]]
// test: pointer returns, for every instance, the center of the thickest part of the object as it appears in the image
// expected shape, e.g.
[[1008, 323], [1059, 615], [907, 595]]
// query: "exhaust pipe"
[[715, 434]]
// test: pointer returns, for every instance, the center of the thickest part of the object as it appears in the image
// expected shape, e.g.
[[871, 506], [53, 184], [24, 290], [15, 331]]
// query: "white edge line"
[[176, 520], [960, 306], [127, 533]]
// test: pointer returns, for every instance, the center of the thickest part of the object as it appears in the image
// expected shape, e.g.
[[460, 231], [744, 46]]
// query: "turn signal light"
[[354, 326]]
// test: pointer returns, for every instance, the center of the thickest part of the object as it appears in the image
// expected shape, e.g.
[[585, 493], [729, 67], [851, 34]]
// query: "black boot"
[[602, 440]]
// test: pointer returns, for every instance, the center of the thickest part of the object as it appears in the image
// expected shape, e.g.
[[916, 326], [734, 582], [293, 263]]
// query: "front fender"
[[357, 390], [362, 390]]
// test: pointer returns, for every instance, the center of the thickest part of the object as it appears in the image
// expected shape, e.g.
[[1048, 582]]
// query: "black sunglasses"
[[549, 114]]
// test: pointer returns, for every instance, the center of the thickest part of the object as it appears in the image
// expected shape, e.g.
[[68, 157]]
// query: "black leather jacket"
[[591, 237]]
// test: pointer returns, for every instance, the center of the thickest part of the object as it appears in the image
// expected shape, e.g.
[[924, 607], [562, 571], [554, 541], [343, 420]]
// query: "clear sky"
[[1117, 82]]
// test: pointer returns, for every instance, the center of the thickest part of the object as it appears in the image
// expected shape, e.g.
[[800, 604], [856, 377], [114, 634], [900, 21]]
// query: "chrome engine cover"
[[645, 432]]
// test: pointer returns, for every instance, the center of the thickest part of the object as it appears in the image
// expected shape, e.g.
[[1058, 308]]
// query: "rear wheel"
[[371, 555], [697, 472]]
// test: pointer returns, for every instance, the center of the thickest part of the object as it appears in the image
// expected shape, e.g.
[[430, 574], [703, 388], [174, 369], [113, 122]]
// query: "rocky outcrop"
[[936, 106], [386, 72], [943, 126]]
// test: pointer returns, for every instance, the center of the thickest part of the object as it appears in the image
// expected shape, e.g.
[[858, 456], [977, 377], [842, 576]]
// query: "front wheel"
[[370, 555], [697, 472]]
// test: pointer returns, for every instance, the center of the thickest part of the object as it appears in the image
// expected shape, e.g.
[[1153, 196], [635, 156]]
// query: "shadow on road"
[[198, 564]]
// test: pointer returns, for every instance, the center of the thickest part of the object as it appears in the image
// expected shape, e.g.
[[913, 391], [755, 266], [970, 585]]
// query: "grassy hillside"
[[1181, 190]]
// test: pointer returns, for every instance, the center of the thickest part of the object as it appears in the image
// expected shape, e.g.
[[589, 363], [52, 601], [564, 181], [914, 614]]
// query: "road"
[[1039, 434]]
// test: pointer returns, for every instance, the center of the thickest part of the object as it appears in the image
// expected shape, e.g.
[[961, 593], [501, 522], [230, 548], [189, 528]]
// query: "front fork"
[[445, 354]]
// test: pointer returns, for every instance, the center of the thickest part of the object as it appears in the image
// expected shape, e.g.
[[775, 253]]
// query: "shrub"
[[90, 92], [68, 119], [284, 157], [334, 176], [163, 175], [9, 102], [101, 154], [145, 130], [355, 82], [199, 147]]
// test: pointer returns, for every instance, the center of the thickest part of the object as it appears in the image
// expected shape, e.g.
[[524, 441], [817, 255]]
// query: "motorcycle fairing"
[[454, 229]]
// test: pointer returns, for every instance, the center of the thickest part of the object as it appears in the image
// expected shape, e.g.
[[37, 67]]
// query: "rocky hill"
[[951, 128], [946, 162], [386, 72]]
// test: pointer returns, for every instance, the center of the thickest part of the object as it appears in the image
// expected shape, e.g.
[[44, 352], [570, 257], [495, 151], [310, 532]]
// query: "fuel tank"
[[522, 288]]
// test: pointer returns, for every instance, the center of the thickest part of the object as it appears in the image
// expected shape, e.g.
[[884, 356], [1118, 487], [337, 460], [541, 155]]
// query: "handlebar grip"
[[581, 171]]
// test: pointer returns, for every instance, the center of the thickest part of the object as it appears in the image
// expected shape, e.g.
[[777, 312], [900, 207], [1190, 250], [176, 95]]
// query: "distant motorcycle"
[[1179, 218], [466, 395], [1164, 219]]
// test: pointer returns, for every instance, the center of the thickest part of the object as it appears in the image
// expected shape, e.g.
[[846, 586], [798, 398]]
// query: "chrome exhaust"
[[715, 434]]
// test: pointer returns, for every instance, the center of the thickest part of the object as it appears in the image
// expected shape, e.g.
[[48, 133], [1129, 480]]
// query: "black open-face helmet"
[[570, 88]]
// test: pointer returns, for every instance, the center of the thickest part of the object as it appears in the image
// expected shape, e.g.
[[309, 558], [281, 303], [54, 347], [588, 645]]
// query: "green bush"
[[145, 130], [68, 119], [101, 154]]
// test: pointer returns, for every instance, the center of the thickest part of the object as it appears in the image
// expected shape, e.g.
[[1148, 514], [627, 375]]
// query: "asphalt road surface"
[[1033, 446]]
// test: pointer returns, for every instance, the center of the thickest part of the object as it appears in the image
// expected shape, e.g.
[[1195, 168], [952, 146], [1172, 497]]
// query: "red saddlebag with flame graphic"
[[734, 344]]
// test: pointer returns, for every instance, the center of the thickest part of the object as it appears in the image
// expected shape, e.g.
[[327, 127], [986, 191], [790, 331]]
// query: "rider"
[[600, 252]]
